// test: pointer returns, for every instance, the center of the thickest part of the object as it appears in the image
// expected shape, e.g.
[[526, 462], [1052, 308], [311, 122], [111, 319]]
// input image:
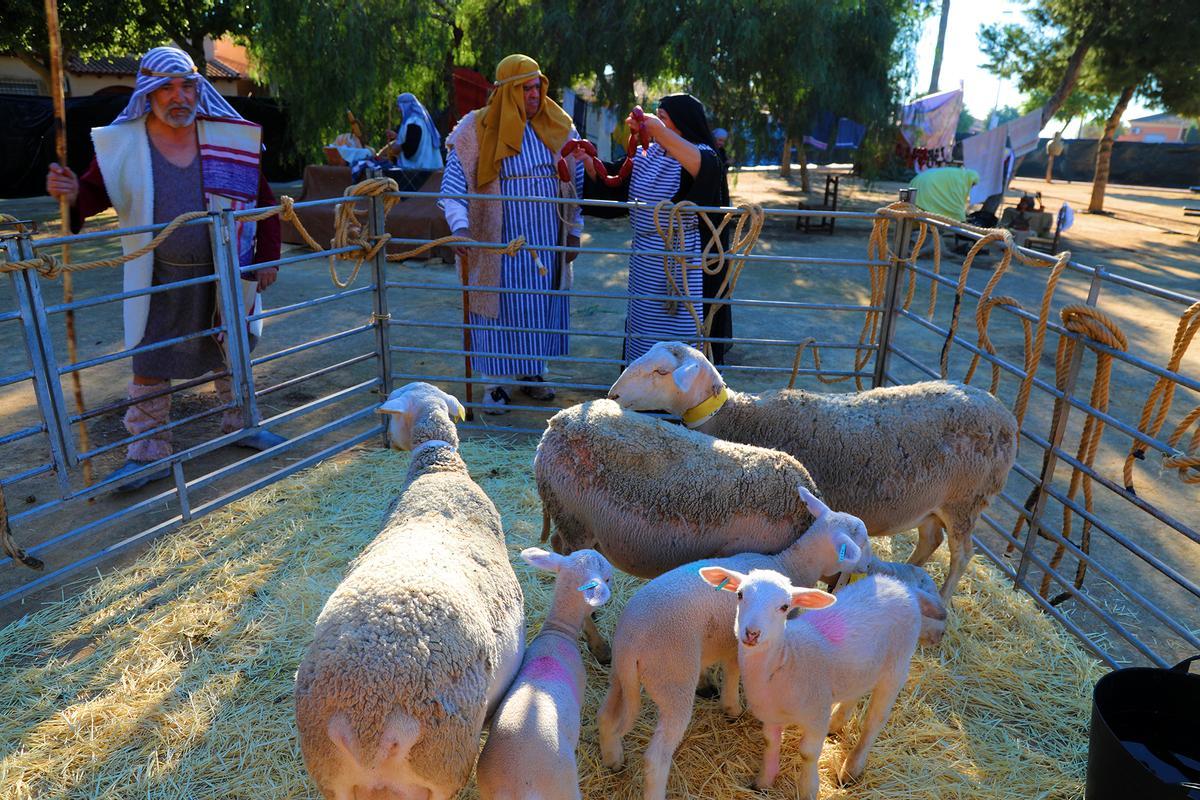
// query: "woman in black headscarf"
[[680, 163]]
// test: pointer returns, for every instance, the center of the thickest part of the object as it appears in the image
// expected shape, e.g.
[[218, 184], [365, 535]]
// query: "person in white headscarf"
[[416, 143], [178, 146]]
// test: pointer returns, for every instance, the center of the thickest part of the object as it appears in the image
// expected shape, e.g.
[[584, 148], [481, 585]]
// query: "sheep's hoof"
[[848, 774], [754, 787]]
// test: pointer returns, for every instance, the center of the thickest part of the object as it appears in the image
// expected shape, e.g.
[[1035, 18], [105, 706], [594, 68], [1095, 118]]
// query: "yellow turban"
[[501, 122]]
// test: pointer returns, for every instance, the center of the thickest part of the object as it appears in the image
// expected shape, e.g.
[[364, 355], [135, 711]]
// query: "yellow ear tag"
[[856, 577], [461, 416]]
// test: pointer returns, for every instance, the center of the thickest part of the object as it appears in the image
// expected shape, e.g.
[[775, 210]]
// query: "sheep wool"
[[652, 496], [415, 646]]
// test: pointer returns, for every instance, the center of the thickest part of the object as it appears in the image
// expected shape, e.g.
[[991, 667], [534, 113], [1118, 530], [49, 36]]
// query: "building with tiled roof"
[[227, 69], [1157, 128]]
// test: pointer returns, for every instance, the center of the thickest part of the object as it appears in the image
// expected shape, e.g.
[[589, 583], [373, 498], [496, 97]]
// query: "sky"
[[962, 59]]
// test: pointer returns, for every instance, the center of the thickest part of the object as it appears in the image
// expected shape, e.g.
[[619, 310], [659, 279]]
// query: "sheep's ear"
[[722, 578], [931, 605], [812, 598], [453, 407], [816, 506], [847, 549], [595, 592], [685, 375], [401, 405], [542, 559]]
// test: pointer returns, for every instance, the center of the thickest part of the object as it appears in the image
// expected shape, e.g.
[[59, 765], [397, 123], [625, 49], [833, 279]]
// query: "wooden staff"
[[64, 209], [464, 276]]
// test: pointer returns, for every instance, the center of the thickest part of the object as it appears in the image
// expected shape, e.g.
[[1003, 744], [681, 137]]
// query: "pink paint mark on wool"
[[549, 670], [829, 624]]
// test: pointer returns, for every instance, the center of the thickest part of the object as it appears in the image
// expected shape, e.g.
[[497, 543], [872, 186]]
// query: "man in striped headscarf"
[[178, 146], [511, 147]]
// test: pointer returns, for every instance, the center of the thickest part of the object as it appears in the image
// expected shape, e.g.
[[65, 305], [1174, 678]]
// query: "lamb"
[[928, 455], [416, 646], [794, 671], [652, 496], [669, 632], [530, 750]]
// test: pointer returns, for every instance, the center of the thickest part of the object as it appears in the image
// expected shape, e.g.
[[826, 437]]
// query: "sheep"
[[669, 633], [928, 455], [417, 644], [530, 751], [794, 671], [652, 496]]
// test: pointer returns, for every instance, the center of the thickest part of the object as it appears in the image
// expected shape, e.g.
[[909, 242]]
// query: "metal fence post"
[[233, 313], [900, 243], [382, 317], [1059, 429], [40, 350]]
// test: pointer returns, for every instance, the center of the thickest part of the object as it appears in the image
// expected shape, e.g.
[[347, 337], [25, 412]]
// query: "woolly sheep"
[[653, 496], [669, 632], [929, 455], [794, 671], [530, 751], [417, 644]]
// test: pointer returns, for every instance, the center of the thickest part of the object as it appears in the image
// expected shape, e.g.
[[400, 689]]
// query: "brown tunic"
[[186, 253]]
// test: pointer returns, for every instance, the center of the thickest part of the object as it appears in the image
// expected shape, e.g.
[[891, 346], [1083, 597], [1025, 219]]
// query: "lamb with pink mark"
[[530, 751], [928, 455], [417, 644], [670, 632], [794, 671]]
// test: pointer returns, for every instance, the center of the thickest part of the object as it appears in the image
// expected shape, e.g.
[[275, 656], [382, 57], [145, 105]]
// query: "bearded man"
[[511, 147], [178, 146]]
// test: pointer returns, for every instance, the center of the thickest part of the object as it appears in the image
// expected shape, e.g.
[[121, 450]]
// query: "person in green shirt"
[[945, 190]]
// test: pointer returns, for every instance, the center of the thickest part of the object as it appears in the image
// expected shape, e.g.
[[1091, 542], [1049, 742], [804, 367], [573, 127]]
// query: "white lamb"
[[652, 496], [670, 631], [793, 671], [530, 751], [928, 455], [417, 644]]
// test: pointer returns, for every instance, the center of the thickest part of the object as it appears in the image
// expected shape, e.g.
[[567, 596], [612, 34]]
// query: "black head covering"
[[688, 115]]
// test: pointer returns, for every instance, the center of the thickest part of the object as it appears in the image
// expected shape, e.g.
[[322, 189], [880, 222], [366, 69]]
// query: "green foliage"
[[87, 27]]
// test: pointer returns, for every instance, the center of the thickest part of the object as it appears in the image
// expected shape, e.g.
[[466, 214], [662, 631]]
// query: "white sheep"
[[652, 496], [928, 455], [795, 671], [530, 751], [417, 644], [669, 632]]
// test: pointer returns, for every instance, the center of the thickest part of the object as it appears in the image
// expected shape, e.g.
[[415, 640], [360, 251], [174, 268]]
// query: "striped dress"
[[656, 177], [519, 353]]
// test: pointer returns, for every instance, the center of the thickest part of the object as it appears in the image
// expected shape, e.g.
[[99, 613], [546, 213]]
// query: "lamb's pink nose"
[[750, 637]]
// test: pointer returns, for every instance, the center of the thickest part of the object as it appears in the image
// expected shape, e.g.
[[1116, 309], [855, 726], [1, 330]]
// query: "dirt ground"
[[1147, 239]]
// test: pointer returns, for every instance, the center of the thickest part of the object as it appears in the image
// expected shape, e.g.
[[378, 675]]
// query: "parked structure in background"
[[1161, 128], [227, 69]]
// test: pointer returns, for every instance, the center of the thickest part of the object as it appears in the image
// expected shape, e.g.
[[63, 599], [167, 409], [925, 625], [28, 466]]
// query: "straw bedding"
[[173, 678]]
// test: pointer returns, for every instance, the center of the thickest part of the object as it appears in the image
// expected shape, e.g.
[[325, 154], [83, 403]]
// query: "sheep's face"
[[764, 599], [838, 540], [670, 376], [585, 571], [409, 410]]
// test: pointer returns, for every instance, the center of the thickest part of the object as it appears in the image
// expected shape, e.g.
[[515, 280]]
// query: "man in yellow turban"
[[510, 147]]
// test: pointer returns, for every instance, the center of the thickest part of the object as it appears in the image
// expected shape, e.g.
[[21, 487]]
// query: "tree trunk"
[[1070, 76], [941, 44], [785, 158], [1049, 168], [803, 155], [1104, 151]]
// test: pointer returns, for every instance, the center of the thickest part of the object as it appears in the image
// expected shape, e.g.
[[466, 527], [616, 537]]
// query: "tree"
[[941, 46], [189, 22], [88, 27]]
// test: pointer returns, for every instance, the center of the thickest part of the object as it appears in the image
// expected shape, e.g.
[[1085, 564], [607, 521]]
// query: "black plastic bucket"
[[1145, 740]]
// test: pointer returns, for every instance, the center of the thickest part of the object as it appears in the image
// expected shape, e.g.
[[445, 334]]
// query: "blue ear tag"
[[842, 552], [592, 584], [721, 585]]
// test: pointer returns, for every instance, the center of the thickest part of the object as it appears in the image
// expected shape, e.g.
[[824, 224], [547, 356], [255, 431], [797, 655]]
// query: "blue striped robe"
[[539, 224], [655, 178]]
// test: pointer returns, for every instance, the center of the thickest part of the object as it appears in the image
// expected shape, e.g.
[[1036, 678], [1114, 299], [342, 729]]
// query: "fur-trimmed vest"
[[485, 217]]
